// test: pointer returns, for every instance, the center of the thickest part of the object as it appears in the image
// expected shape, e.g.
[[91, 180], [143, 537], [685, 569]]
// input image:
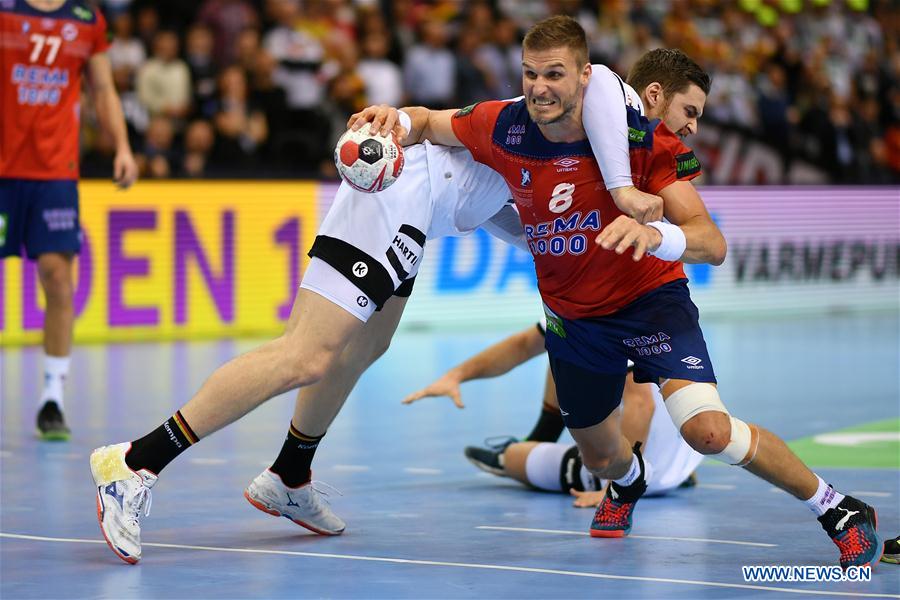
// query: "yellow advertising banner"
[[176, 260]]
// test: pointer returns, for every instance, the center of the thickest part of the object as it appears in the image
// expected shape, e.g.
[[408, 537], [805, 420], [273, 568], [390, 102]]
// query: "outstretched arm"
[[424, 124], [496, 360]]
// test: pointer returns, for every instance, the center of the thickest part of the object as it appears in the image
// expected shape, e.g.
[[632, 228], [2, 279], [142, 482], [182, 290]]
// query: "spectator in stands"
[[164, 81], [146, 24], [158, 155], [248, 46], [227, 19], [502, 56], [271, 99], [198, 54], [383, 78], [430, 69], [125, 50], [240, 126], [474, 79], [304, 72], [199, 138]]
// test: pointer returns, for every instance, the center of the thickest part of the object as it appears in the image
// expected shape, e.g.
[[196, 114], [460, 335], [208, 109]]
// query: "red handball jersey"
[[563, 203], [42, 57]]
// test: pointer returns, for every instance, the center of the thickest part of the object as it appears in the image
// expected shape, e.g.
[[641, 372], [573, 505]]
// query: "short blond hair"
[[557, 32]]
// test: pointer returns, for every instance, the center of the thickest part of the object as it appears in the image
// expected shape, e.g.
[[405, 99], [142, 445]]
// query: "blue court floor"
[[422, 522]]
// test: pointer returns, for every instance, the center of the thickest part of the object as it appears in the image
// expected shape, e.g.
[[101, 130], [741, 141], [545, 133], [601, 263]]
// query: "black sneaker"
[[489, 459], [851, 526], [892, 551], [51, 424], [613, 516]]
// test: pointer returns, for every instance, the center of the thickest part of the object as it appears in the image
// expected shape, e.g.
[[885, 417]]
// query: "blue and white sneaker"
[[304, 504], [122, 496]]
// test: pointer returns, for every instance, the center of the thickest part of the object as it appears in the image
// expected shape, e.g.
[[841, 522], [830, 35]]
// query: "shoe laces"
[[611, 511], [498, 443], [321, 488], [140, 502], [852, 544]]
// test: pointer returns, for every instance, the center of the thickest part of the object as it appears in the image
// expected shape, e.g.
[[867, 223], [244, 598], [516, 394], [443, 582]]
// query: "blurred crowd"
[[263, 88]]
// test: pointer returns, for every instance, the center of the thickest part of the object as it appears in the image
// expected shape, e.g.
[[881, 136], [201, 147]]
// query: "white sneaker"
[[304, 505], [122, 495]]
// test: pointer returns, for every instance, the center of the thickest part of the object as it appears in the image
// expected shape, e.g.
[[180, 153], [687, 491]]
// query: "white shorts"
[[376, 241], [671, 459]]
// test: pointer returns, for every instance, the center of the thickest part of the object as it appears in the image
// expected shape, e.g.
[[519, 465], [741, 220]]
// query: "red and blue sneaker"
[[613, 516], [851, 526]]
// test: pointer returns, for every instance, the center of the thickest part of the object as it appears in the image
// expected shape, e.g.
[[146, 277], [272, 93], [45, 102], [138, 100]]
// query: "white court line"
[[439, 563], [873, 494], [208, 461], [352, 468], [5, 453], [716, 486], [422, 471], [631, 535]]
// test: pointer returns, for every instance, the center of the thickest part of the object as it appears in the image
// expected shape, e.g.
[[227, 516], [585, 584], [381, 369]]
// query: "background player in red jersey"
[[604, 309], [45, 45]]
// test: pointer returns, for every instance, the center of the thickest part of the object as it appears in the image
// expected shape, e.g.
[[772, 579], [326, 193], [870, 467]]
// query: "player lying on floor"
[[557, 467]]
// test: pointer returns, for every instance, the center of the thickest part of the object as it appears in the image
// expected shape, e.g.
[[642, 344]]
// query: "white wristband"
[[405, 121], [673, 241]]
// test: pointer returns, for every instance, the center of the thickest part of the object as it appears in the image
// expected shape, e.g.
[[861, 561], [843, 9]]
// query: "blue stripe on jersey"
[[640, 129], [71, 9], [517, 134]]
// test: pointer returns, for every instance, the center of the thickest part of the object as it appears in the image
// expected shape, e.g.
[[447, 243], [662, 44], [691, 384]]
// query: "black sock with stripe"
[[294, 460], [160, 447]]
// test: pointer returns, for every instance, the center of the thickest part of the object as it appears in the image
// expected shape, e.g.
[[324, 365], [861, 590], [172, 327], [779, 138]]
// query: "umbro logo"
[[692, 362], [566, 162]]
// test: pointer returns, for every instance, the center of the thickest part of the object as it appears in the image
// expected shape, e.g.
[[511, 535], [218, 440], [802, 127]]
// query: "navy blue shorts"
[[41, 216], [660, 332]]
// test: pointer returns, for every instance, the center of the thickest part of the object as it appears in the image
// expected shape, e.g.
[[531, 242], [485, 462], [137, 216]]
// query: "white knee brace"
[[696, 398]]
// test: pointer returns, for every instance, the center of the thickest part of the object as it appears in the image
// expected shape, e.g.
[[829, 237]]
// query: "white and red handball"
[[369, 163]]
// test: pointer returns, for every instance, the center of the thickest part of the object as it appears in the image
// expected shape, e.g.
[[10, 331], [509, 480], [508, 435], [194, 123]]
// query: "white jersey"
[[670, 458], [369, 244]]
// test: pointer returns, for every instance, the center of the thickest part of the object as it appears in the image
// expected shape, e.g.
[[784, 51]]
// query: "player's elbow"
[[718, 250]]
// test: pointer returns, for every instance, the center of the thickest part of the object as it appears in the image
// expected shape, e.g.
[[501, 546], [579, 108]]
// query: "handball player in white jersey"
[[557, 467]]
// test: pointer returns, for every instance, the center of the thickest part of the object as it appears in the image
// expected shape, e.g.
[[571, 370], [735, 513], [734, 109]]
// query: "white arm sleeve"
[[607, 126], [506, 226]]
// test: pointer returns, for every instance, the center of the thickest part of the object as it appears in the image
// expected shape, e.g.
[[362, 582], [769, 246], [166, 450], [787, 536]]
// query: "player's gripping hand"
[[382, 118], [125, 169], [641, 206], [587, 499], [447, 385], [624, 233]]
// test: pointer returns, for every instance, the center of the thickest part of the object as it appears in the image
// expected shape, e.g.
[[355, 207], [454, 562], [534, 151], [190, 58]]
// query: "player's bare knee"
[[707, 432], [57, 283]]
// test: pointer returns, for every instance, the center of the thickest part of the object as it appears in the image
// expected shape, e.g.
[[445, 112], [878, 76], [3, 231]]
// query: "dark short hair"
[[673, 69], [556, 32]]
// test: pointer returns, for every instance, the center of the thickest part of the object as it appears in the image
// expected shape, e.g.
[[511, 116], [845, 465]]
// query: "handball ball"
[[369, 163]]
